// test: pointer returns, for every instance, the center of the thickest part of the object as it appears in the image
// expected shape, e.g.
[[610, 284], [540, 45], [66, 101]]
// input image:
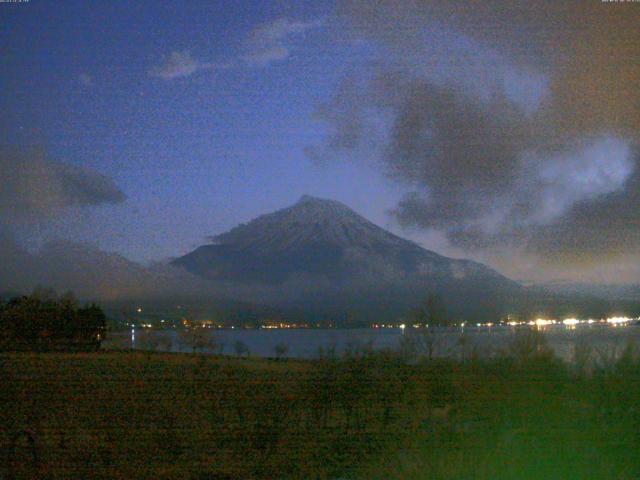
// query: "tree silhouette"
[[431, 315], [433, 312], [241, 348], [42, 321], [281, 350]]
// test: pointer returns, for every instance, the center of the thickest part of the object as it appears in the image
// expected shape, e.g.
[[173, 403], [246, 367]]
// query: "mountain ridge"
[[341, 258], [320, 223]]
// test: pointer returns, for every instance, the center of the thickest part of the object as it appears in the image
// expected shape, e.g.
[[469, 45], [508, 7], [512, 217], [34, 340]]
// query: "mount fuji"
[[319, 254]]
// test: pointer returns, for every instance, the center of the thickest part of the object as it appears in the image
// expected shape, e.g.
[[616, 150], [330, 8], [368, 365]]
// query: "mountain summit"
[[311, 221], [326, 246]]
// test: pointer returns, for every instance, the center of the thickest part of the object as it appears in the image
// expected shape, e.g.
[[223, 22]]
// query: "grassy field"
[[522, 415]]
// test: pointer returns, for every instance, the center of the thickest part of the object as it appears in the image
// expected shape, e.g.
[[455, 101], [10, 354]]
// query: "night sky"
[[503, 131]]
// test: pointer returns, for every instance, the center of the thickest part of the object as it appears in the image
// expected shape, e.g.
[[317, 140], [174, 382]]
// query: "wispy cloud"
[[179, 64], [85, 80], [272, 42], [267, 43]]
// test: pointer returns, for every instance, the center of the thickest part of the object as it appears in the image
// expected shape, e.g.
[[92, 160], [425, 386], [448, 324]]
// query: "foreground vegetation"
[[520, 415], [43, 321]]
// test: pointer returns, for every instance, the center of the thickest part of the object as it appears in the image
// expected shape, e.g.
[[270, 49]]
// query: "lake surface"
[[603, 339]]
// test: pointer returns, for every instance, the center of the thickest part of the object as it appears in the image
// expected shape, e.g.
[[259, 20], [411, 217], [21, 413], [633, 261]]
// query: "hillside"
[[320, 255]]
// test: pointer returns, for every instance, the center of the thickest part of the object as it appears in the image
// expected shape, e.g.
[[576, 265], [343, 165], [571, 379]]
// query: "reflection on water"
[[308, 343]]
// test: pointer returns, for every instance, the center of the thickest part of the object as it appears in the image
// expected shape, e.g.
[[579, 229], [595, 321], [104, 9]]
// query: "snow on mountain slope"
[[322, 237]]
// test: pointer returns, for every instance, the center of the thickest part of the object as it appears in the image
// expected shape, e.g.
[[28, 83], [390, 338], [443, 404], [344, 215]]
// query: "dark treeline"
[[45, 321]]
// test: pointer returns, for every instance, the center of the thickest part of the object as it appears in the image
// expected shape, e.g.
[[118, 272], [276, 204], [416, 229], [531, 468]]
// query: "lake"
[[604, 339]]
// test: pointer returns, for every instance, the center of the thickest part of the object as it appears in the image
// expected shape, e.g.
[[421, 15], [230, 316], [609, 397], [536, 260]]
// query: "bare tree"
[[281, 350], [431, 317], [241, 348], [200, 340]]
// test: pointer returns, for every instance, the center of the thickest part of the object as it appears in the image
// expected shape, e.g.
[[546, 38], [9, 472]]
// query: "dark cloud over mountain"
[[512, 124]]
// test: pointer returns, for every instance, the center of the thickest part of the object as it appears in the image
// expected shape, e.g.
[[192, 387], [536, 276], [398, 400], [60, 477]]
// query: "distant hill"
[[319, 255]]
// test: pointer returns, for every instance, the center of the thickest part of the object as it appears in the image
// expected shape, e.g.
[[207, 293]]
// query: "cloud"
[[85, 80], [512, 125], [179, 64], [33, 184], [35, 187], [265, 44], [272, 42]]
